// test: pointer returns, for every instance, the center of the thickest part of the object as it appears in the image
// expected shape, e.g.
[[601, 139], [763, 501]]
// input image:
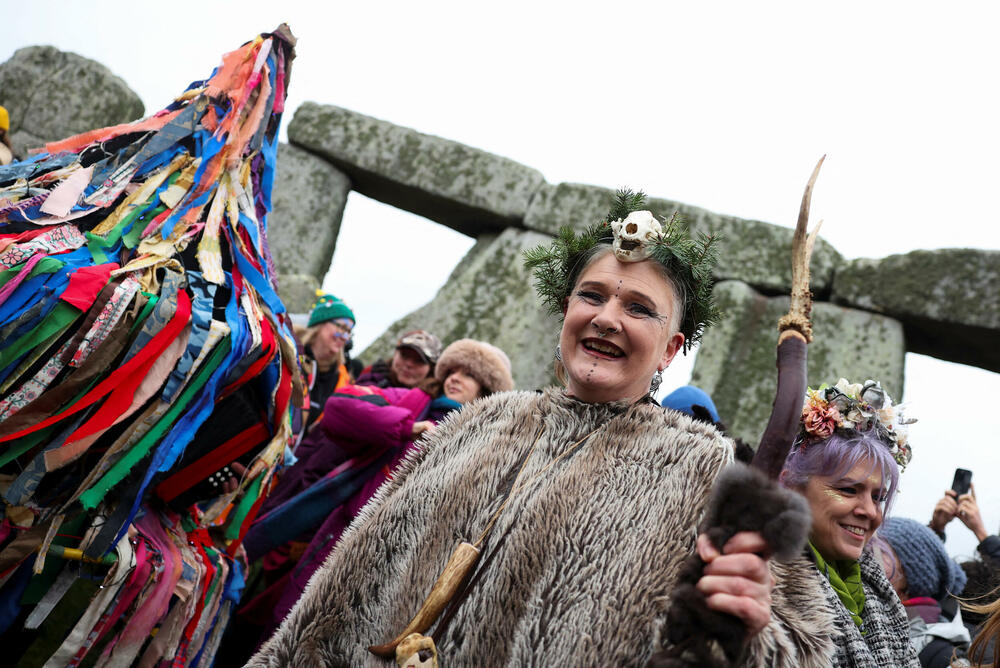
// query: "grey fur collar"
[[585, 572]]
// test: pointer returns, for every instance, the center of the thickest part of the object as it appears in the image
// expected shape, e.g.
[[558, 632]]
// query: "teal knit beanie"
[[329, 308]]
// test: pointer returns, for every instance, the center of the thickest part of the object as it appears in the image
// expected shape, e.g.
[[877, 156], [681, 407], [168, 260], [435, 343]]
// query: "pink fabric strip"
[[8, 289], [145, 618], [77, 142], [67, 193], [136, 581], [151, 382]]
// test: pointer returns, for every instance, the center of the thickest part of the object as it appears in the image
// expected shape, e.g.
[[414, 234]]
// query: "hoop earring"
[[654, 384], [558, 353]]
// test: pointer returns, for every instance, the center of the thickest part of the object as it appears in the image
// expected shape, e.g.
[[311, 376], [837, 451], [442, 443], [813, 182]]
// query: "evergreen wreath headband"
[[855, 407], [634, 235]]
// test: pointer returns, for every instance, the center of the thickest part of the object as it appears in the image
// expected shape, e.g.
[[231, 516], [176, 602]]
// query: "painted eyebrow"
[[634, 294]]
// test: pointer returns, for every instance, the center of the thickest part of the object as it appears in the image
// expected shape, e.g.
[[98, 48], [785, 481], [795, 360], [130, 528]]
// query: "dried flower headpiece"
[[861, 408], [634, 235]]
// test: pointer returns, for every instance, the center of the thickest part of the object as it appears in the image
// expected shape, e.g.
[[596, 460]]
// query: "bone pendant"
[[462, 559], [416, 651]]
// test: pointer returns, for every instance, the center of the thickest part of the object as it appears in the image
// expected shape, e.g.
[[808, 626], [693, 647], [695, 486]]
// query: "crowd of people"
[[359, 425], [562, 517]]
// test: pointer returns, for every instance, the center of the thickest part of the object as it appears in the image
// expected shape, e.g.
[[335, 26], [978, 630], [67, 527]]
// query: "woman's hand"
[[423, 427], [968, 512], [737, 581], [232, 483], [944, 511]]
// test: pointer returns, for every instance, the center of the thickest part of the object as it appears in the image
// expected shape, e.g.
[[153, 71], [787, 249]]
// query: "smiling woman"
[[846, 463], [583, 502], [617, 325]]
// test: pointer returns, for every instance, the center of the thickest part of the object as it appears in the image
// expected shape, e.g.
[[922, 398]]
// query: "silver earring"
[[558, 353], [654, 384]]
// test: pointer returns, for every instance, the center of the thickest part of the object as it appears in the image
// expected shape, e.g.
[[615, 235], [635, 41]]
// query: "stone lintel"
[[469, 190], [736, 360], [750, 251], [948, 300]]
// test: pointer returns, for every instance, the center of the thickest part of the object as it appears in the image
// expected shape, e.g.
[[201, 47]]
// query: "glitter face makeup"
[[846, 511]]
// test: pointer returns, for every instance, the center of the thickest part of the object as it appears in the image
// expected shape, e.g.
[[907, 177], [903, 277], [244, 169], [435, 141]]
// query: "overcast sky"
[[721, 105]]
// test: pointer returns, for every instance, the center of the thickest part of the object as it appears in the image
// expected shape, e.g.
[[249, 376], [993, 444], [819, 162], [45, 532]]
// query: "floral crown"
[[634, 235], [861, 408]]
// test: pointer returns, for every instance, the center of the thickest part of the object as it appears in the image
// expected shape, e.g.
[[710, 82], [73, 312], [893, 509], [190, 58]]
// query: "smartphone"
[[963, 478]]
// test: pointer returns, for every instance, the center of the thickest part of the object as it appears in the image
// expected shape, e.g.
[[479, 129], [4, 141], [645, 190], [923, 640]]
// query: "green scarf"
[[845, 578]]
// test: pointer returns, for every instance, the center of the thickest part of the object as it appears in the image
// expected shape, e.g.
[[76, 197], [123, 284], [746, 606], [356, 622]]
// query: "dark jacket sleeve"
[[990, 549]]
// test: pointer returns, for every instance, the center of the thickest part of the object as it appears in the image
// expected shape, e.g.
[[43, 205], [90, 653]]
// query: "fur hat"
[[928, 569], [489, 365]]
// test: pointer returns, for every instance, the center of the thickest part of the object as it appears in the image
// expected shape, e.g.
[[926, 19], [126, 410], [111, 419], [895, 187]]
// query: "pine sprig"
[[556, 266], [625, 202]]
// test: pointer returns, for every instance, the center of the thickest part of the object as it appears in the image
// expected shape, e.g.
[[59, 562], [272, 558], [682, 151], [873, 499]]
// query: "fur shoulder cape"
[[588, 550]]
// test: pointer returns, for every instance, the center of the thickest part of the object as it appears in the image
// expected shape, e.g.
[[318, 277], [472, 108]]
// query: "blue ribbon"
[[201, 321]]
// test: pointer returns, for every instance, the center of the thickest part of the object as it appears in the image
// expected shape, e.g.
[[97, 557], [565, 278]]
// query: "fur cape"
[[588, 550]]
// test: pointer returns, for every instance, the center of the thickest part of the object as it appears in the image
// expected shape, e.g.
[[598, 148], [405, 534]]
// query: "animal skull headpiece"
[[635, 235]]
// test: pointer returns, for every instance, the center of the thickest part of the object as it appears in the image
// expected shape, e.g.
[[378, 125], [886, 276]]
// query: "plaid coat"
[[886, 641]]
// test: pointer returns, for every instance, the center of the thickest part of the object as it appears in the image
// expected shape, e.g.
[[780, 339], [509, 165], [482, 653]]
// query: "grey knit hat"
[[928, 569]]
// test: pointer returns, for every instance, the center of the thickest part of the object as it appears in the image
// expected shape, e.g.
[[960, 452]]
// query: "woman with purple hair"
[[846, 462]]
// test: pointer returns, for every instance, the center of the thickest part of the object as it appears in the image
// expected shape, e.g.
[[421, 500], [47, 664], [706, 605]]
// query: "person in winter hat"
[[411, 363], [928, 570], [6, 150], [326, 339], [471, 369], [925, 577], [685, 398]]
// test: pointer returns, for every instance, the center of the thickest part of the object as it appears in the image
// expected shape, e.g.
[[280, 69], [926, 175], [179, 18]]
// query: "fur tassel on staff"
[[749, 498]]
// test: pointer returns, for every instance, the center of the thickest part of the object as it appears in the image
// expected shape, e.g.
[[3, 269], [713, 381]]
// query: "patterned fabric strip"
[[109, 317], [58, 240]]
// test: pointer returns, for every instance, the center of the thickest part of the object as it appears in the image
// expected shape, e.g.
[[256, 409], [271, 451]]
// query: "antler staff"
[[795, 334]]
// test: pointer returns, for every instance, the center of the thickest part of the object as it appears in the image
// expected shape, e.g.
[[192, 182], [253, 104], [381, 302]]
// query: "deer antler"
[[796, 333], [797, 318]]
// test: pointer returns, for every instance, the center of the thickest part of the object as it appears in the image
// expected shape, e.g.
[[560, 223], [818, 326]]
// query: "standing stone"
[[467, 189], [490, 297], [52, 94], [298, 292], [307, 206], [736, 360], [750, 251], [948, 300]]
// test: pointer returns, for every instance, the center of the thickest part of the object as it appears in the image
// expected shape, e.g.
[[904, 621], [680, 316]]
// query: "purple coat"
[[350, 425], [353, 427]]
